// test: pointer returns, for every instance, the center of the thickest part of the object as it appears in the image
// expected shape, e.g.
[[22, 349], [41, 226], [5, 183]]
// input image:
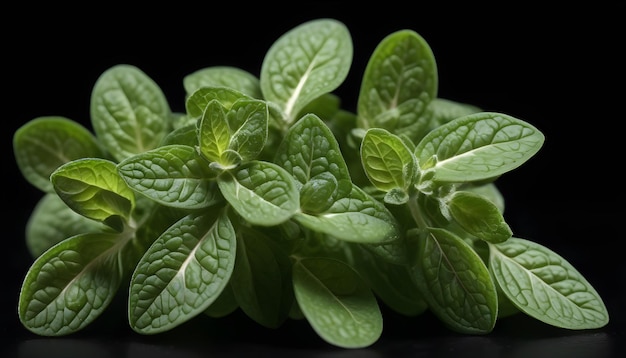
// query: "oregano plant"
[[267, 196]]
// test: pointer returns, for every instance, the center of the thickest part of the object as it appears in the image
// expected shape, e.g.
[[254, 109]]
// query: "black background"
[[561, 70]]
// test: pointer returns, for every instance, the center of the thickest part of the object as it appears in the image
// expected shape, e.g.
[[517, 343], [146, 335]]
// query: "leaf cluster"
[[267, 196]]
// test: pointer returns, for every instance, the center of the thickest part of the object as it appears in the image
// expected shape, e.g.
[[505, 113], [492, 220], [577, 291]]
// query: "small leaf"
[[478, 146], [337, 303], [198, 101], [545, 286], [399, 82], [310, 149], [214, 133], [456, 283], [73, 282], [225, 76], [174, 175], [306, 62], [388, 162], [248, 122], [129, 112], [261, 192], [52, 221], [93, 188], [478, 216], [45, 143], [182, 273]]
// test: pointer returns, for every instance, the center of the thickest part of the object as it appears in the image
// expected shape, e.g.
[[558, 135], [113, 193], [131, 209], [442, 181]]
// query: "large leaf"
[[306, 62], [261, 192], [72, 283], [182, 273], [337, 303], [399, 82], [456, 283], [45, 143], [129, 112], [545, 286], [477, 147], [93, 188], [173, 175]]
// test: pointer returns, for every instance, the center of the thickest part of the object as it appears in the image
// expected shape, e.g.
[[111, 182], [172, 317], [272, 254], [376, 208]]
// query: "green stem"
[[416, 212]]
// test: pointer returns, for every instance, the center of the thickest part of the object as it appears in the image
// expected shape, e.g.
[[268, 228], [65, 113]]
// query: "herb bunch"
[[267, 196]]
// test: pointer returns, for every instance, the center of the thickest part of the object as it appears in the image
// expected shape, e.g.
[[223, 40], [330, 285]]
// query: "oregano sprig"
[[266, 195]]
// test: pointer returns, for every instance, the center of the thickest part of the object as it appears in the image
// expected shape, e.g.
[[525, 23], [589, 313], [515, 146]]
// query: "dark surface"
[[560, 70]]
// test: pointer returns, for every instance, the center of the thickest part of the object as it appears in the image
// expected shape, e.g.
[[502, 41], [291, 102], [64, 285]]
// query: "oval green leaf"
[[388, 162], [174, 175], [478, 216], [399, 82], [456, 283], [45, 143], [129, 112], [306, 62], [182, 273], [545, 286], [226, 76], [478, 146], [347, 217], [52, 221], [94, 189], [337, 303], [73, 282], [261, 279], [261, 192]]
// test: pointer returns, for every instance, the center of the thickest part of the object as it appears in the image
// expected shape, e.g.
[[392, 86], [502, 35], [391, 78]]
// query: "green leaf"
[[198, 101], [456, 283], [261, 192], [337, 303], [52, 221], [182, 273], [441, 111], [478, 216], [545, 286], [45, 143], [399, 82], [312, 155], [248, 121], [347, 217], [214, 133], [225, 76], [73, 282], [93, 188], [478, 146], [129, 112], [489, 191], [388, 162], [261, 280], [173, 175], [306, 62], [392, 283]]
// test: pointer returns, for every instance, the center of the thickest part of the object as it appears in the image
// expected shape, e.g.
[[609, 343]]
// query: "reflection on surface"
[[597, 345]]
